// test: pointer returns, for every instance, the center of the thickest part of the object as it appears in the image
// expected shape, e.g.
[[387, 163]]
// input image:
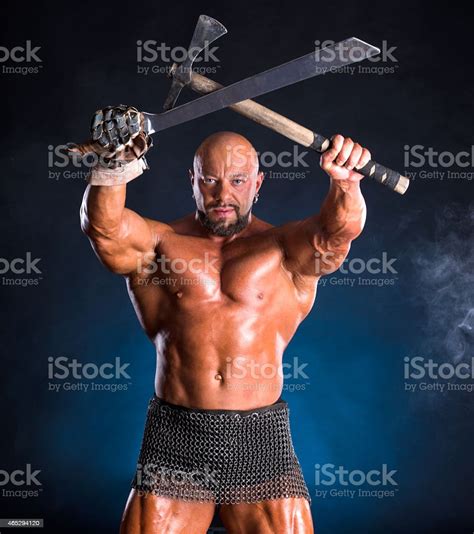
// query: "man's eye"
[[237, 181], [209, 180]]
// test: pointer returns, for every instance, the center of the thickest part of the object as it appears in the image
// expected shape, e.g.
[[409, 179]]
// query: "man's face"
[[225, 179]]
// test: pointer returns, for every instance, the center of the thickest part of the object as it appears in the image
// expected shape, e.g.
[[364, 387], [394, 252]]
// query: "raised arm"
[[123, 240], [318, 245]]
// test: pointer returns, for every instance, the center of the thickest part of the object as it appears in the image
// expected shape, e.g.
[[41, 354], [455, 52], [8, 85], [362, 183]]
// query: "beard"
[[221, 228]]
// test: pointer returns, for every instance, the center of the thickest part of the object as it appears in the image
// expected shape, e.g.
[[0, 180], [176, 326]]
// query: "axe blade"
[[207, 31], [313, 64]]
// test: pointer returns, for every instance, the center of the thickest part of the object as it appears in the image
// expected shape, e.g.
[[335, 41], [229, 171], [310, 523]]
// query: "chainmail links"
[[227, 457]]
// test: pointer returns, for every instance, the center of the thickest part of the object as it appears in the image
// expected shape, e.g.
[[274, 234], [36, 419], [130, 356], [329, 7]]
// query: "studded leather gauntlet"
[[120, 144]]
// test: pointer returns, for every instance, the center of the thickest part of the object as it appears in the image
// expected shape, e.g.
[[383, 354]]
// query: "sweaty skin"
[[221, 309]]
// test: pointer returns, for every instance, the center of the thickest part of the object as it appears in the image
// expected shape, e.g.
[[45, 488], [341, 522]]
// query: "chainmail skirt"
[[223, 456]]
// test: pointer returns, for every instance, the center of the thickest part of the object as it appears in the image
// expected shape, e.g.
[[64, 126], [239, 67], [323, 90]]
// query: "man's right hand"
[[117, 136]]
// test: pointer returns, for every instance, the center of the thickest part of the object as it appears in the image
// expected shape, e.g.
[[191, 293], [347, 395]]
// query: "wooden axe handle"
[[294, 131]]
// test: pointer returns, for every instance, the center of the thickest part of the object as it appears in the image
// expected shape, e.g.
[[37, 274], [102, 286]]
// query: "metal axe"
[[182, 75]]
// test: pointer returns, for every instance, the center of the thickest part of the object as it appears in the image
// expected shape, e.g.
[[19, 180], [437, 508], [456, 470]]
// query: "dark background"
[[354, 410]]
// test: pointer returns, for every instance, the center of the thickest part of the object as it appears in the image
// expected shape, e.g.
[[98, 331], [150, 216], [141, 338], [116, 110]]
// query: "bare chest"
[[191, 276], [243, 271]]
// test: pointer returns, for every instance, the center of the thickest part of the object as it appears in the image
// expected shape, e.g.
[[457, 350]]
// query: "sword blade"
[[324, 60]]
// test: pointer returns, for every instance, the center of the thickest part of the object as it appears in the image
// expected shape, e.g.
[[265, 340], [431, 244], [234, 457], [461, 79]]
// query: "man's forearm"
[[117, 234], [319, 244], [343, 213], [102, 209]]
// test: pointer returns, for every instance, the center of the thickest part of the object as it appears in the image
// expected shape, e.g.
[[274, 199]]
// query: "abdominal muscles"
[[223, 356]]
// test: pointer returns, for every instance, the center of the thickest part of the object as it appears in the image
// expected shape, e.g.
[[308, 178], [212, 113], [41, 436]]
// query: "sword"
[[321, 61], [208, 30]]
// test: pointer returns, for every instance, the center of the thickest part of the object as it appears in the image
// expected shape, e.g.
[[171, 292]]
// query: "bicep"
[[132, 247], [308, 251]]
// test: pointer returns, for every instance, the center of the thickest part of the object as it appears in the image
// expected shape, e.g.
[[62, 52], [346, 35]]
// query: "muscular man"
[[220, 293]]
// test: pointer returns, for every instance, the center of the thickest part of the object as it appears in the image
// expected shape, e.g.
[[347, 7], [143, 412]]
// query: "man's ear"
[[191, 176], [260, 178]]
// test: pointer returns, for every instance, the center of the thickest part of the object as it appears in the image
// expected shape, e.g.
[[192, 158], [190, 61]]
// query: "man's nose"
[[223, 192]]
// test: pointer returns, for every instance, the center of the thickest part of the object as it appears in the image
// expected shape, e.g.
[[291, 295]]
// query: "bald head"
[[227, 148], [225, 180]]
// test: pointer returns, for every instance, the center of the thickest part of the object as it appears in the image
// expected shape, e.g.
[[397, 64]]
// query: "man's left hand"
[[342, 159]]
